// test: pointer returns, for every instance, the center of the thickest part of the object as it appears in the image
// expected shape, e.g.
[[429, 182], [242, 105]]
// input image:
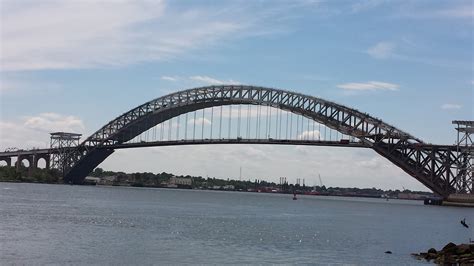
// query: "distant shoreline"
[[222, 190]]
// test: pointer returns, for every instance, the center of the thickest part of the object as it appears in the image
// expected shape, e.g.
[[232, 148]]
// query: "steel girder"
[[427, 163]]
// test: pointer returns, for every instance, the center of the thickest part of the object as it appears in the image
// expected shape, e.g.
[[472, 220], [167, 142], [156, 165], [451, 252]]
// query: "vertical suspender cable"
[[269, 121], [177, 127], [202, 124], [194, 126], [266, 123], [279, 124], [162, 128], [238, 122], [170, 125], [330, 134], [276, 122], [291, 125], [220, 124], [325, 130], [257, 121], [146, 129], [307, 135], [248, 121], [302, 127], [186, 127], [319, 131], [212, 119], [297, 126], [230, 120], [298, 133]]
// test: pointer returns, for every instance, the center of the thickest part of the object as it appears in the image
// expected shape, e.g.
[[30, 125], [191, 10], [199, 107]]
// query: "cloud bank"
[[369, 86]]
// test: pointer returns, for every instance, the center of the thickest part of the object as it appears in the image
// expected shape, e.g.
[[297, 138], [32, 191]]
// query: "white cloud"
[[169, 78], [68, 34], [372, 163], [33, 131], [50, 122], [200, 80], [369, 86], [310, 135], [213, 81], [382, 50], [451, 106], [254, 152]]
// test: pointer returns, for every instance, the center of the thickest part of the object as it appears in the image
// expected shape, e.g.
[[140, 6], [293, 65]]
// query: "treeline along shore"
[[168, 180]]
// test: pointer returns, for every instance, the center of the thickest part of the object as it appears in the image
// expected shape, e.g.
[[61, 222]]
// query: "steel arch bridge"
[[432, 165]]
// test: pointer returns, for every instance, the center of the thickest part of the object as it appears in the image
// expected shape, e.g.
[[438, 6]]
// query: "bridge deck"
[[26, 152], [237, 141], [218, 141]]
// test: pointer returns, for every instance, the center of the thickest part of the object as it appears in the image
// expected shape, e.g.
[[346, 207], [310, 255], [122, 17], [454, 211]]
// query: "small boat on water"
[[294, 196]]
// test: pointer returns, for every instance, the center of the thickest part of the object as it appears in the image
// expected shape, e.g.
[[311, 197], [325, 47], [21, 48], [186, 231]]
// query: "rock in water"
[[432, 251], [451, 254], [449, 246]]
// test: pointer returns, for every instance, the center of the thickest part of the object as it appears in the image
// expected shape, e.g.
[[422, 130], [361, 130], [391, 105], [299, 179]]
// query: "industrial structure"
[[445, 169]]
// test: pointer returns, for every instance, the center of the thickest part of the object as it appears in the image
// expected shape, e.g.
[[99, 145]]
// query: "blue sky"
[[75, 65]]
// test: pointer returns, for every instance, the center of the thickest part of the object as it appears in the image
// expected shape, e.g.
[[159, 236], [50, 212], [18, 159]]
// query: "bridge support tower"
[[465, 151], [63, 159]]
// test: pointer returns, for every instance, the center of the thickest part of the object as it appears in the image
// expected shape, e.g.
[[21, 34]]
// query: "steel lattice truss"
[[62, 143], [432, 165]]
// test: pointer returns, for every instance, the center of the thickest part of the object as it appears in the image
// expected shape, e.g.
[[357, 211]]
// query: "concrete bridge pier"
[[29, 158]]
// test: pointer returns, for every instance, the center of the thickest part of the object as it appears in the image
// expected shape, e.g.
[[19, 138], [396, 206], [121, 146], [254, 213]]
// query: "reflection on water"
[[117, 225]]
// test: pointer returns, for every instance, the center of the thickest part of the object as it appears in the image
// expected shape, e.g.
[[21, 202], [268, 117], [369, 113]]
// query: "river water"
[[61, 224]]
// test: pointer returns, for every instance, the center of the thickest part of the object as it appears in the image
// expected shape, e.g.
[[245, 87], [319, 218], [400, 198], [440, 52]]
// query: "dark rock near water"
[[463, 249], [451, 254], [432, 251], [449, 246]]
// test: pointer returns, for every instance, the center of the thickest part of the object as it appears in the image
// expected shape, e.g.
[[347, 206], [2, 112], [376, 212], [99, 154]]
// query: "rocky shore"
[[451, 254]]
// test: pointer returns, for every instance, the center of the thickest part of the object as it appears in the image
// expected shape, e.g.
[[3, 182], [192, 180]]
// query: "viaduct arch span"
[[432, 165]]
